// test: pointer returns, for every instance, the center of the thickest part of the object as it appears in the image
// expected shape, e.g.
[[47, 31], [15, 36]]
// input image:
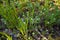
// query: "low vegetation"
[[30, 19]]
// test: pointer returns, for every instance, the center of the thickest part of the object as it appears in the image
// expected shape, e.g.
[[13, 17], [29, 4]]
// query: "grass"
[[25, 15], [8, 37]]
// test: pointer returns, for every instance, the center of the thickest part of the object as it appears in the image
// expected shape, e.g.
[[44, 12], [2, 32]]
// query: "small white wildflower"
[[24, 22], [48, 22], [44, 9], [29, 38], [2, 19], [33, 33], [22, 19], [31, 19], [46, 30], [54, 18], [18, 17], [52, 14], [38, 18], [44, 38], [23, 15], [43, 13]]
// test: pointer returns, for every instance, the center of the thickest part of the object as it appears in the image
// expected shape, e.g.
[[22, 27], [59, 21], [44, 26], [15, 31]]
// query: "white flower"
[[3, 21], [33, 33], [52, 14], [23, 19], [31, 19], [54, 18], [29, 38], [24, 22], [48, 22], [18, 17], [44, 38]]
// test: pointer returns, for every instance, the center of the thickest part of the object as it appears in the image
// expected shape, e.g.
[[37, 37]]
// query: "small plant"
[[8, 37]]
